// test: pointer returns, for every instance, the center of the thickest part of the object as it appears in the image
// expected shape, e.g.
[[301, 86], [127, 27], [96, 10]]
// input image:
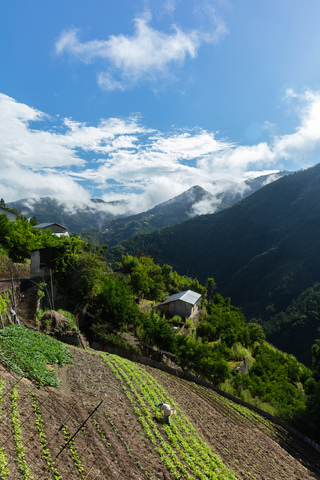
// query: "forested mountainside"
[[262, 252], [193, 202], [46, 210], [172, 212]]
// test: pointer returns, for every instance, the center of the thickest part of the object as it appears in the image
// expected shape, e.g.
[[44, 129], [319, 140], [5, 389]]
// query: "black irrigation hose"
[[80, 428]]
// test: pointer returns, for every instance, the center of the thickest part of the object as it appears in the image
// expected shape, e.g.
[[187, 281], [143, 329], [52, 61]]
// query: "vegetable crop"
[[27, 352]]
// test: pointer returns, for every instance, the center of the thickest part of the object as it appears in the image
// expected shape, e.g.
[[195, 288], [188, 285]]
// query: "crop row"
[[43, 440], [16, 430], [23, 466], [74, 451], [235, 411], [181, 449], [191, 443], [4, 470], [107, 444], [166, 454]]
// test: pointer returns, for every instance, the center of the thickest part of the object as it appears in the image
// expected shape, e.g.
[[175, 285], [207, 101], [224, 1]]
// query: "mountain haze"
[[97, 214], [113, 222], [171, 212]]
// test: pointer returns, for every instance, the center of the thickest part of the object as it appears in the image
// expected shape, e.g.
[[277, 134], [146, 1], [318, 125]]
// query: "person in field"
[[166, 411]]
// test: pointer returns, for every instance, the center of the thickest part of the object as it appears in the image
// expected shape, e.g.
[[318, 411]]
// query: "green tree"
[[312, 386], [211, 287], [20, 238], [140, 281], [315, 349], [114, 303], [85, 277], [256, 333], [33, 221], [66, 250], [129, 262]]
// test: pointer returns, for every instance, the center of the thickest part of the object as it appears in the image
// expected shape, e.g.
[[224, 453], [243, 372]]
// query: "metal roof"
[[188, 296], [46, 225]]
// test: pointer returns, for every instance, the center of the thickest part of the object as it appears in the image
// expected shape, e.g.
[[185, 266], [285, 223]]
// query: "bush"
[[105, 338], [188, 323], [239, 353], [4, 300]]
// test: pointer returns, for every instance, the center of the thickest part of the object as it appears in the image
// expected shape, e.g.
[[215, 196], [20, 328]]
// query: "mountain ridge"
[[262, 251], [112, 222]]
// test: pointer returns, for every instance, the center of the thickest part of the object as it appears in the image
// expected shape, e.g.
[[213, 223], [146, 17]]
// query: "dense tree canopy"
[[217, 340], [19, 238]]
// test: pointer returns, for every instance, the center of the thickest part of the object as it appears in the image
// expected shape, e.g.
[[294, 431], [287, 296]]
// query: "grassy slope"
[[120, 442]]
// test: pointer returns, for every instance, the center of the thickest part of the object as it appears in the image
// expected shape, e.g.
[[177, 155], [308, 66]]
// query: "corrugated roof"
[[45, 225], [188, 296]]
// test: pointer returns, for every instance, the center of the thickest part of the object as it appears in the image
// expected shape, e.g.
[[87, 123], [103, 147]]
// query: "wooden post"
[[14, 298], [51, 289]]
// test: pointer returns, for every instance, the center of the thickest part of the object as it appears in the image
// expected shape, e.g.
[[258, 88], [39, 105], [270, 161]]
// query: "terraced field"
[[56, 433]]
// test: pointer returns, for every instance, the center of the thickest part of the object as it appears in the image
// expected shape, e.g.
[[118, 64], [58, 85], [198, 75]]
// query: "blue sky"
[[144, 99]]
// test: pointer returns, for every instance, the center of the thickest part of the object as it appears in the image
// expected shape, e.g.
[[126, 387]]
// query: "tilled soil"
[[251, 448], [112, 444]]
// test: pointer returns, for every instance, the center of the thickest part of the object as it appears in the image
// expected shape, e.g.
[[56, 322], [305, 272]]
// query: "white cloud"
[[107, 82], [307, 135], [122, 158], [189, 146], [169, 6], [26, 146], [234, 161], [146, 55], [20, 182]]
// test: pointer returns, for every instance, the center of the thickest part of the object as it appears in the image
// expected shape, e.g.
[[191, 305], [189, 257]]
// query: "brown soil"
[[252, 447]]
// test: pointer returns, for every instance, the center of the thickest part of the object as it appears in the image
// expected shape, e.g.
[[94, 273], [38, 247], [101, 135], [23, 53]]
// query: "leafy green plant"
[[188, 322], [16, 429], [27, 352], [4, 470], [41, 290], [43, 440], [3, 251], [183, 451], [74, 451], [4, 301]]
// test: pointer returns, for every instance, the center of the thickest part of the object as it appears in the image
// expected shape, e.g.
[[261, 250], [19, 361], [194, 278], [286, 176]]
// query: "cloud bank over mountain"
[[122, 158]]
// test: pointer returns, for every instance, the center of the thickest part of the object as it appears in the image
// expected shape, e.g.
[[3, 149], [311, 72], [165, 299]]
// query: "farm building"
[[55, 228], [184, 304], [40, 262], [12, 216]]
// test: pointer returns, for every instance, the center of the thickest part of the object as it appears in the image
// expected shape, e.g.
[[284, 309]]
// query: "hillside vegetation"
[[102, 423], [262, 253], [213, 345]]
